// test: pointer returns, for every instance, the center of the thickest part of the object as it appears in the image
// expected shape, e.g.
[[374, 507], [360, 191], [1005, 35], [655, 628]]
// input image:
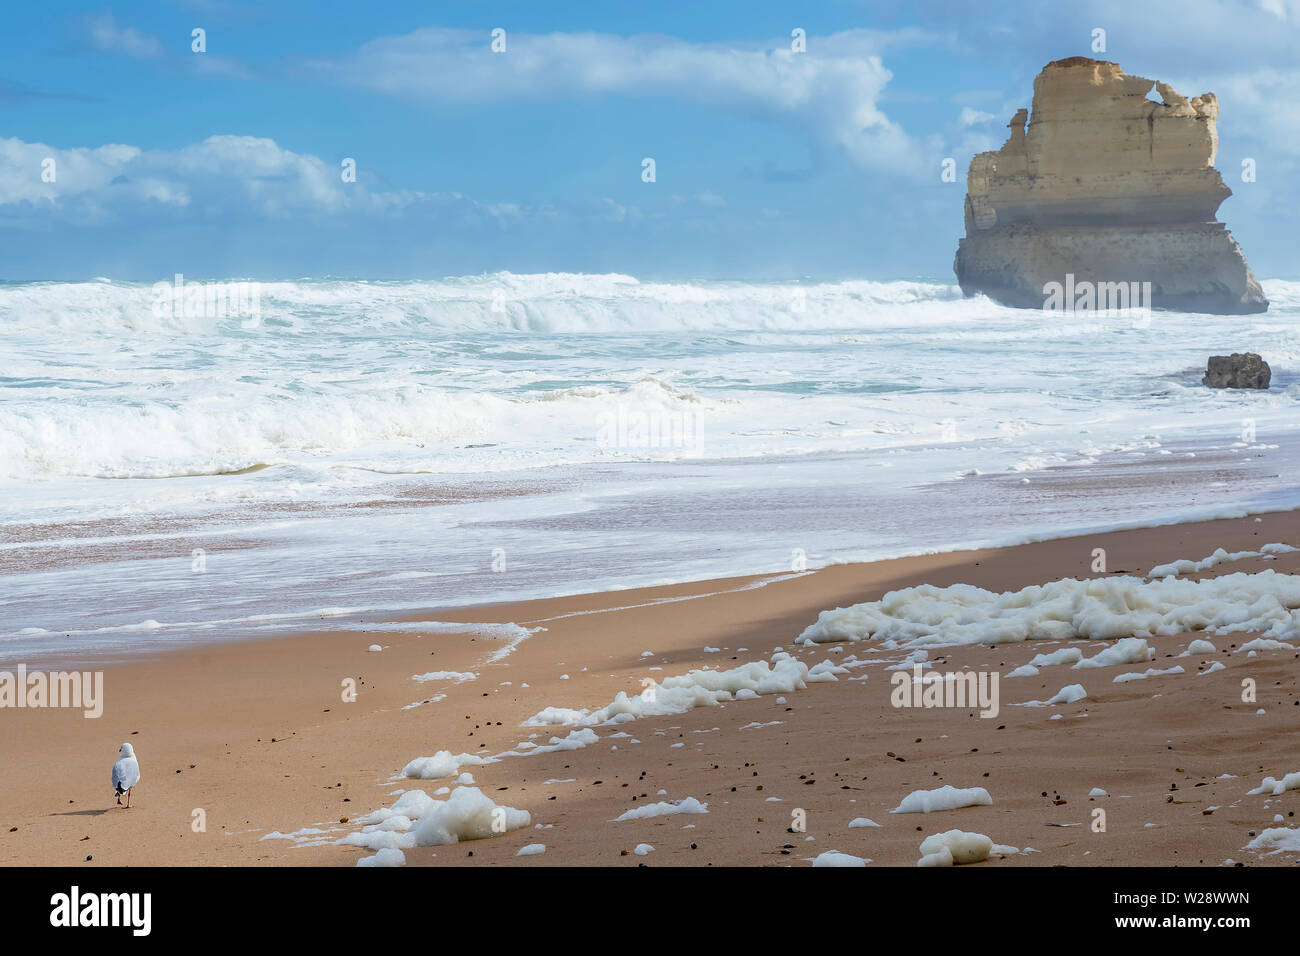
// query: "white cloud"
[[222, 174], [1147, 38], [970, 117], [1261, 107], [104, 33], [234, 182], [831, 93], [23, 165]]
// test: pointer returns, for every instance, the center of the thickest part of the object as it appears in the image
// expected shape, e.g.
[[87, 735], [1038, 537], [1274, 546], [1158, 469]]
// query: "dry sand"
[[257, 737]]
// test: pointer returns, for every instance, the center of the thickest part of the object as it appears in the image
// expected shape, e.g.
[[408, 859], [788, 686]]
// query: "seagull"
[[126, 774]]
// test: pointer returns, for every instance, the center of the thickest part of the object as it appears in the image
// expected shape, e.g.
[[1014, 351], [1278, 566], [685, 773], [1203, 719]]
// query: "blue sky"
[[769, 163]]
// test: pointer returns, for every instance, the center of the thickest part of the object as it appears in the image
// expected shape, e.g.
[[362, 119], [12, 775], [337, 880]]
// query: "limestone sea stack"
[[1105, 186]]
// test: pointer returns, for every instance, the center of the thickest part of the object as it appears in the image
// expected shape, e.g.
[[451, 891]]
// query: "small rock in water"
[[1238, 370]]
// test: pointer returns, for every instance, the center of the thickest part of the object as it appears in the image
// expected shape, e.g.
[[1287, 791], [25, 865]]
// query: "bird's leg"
[[128, 799], [119, 799]]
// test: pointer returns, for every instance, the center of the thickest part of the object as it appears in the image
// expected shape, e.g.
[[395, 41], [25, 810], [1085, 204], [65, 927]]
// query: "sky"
[[788, 140]]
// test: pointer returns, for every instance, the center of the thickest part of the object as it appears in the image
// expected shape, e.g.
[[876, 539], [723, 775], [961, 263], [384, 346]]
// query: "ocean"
[[171, 472]]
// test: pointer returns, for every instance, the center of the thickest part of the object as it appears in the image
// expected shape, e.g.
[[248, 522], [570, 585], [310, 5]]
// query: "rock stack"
[[1108, 187]]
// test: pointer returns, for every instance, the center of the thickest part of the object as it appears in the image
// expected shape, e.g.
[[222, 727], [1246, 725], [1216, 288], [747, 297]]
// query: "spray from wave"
[[504, 302]]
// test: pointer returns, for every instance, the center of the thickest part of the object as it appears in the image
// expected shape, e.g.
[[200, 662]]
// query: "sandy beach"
[[254, 738]]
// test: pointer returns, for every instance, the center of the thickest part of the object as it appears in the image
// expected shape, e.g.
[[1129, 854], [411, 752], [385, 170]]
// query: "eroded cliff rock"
[[1109, 186]]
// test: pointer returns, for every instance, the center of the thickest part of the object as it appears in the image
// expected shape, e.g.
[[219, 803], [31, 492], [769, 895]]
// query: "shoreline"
[[254, 733], [469, 612], [1056, 490]]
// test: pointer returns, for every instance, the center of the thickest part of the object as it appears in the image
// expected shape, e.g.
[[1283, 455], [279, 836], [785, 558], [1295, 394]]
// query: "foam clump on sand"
[[1277, 787], [1187, 566], [1129, 650], [468, 814], [944, 798], [1066, 695], [1220, 556], [857, 822], [446, 764], [379, 838], [442, 764], [1097, 609], [457, 676], [836, 858], [532, 849], [954, 847], [825, 671], [1265, 644], [698, 688], [1277, 840], [576, 740], [390, 856], [306, 833], [555, 715], [1066, 655], [416, 819], [662, 809], [1149, 672], [408, 807], [1198, 647]]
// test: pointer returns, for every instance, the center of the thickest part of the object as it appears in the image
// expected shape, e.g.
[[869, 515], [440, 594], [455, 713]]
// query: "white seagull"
[[126, 774]]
